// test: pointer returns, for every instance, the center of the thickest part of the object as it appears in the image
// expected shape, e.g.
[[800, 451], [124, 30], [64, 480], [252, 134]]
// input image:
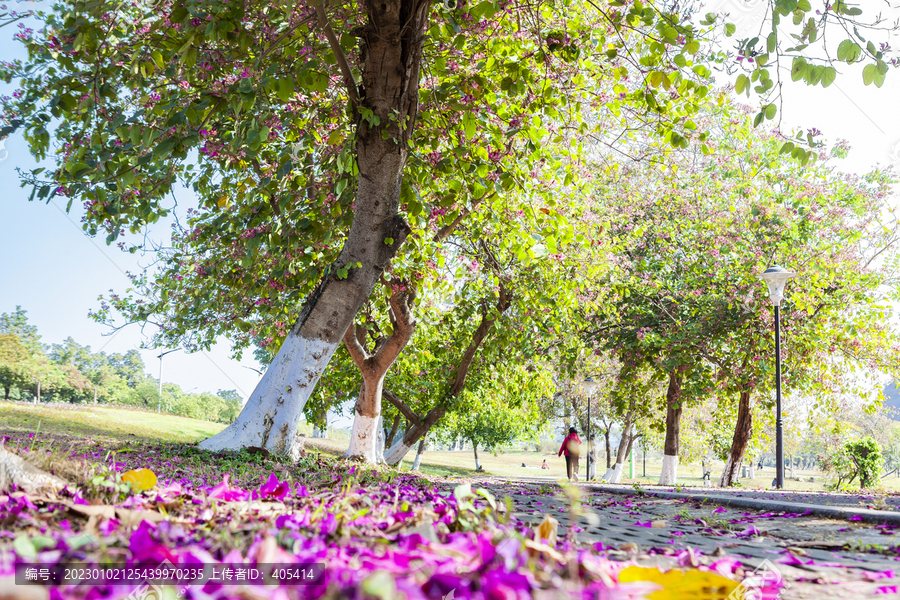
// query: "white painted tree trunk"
[[379, 441], [608, 474], [616, 475], [270, 417], [669, 470], [364, 439], [729, 473], [419, 454], [396, 452]]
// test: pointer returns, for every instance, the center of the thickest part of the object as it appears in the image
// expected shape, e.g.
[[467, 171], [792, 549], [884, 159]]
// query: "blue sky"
[[50, 268]]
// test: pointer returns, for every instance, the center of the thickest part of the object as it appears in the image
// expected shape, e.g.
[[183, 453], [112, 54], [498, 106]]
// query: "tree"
[[232, 405], [245, 111], [694, 239], [13, 357], [500, 407], [17, 324], [373, 365]]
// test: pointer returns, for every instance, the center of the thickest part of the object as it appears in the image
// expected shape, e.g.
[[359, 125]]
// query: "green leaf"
[[771, 109], [730, 28], [285, 89], [468, 123], [742, 84], [798, 68], [785, 7], [828, 76], [869, 73], [815, 74], [164, 147], [24, 548]]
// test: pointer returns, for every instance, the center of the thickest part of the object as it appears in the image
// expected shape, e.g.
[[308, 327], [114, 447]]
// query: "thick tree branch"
[[404, 324], [405, 410], [339, 55], [357, 352]]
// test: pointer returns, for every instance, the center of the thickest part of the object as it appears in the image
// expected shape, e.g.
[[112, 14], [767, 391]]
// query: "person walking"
[[571, 447]]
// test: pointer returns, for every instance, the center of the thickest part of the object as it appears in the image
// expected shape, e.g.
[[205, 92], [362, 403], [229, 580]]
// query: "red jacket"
[[570, 445]]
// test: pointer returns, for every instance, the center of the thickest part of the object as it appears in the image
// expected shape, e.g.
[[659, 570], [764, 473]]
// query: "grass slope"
[[116, 423], [77, 423]]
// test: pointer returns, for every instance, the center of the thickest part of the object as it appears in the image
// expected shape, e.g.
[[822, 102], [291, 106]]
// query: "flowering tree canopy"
[[311, 135]]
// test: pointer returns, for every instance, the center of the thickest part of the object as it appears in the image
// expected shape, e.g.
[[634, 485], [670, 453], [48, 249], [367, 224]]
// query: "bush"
[[860, 459]]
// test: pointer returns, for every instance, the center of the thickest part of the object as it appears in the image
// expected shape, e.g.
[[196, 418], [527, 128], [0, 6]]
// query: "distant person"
[[571, 447], [544, 464]]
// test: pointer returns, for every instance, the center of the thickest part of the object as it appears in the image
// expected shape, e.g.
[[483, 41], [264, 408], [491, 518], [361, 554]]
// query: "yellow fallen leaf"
[[547, 530], [140, 479], [537, 547], [681, 585]]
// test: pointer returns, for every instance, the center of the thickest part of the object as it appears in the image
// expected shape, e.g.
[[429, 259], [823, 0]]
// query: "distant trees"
[[70, 372]]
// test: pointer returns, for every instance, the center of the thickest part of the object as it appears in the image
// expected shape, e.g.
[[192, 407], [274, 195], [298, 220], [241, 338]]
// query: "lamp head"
[[589, 386], [776, 278]]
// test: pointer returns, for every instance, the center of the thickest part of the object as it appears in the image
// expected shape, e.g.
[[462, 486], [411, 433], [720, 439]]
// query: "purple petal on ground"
[[888, 589], [274, 489], [875, 576], [749, 531], [720, 509], [855, 518], [725, 566], [790, 559]]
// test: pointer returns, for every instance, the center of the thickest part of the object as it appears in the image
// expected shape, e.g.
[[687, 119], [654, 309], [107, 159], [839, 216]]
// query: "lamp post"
[[776, 278], [589, 386], [159, 398]]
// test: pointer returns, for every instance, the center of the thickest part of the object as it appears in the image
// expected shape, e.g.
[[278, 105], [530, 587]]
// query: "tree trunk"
[[391, 46], [608, 446], [743, 429], [622, 452], [475, 450], [457, 384], [669, 472], [37, 399], [373, 367], [6, 393], [394, 428], [25, 476], [418, 461]]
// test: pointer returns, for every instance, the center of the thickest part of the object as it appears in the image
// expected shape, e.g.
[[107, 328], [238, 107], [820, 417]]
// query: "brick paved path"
[[818, 557]]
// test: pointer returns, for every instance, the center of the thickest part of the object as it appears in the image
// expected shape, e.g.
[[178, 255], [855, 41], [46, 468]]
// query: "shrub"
[[860, 459]]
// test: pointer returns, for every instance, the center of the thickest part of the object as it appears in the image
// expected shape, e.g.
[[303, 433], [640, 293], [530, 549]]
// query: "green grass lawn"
[[91, 421]]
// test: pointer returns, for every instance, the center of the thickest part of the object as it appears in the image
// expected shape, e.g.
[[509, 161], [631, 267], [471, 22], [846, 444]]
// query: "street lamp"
[[776, 278], [589, 386], [159, 399]]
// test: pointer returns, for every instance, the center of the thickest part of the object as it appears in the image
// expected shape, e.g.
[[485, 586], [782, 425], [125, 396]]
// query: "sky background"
[[50, 268]]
